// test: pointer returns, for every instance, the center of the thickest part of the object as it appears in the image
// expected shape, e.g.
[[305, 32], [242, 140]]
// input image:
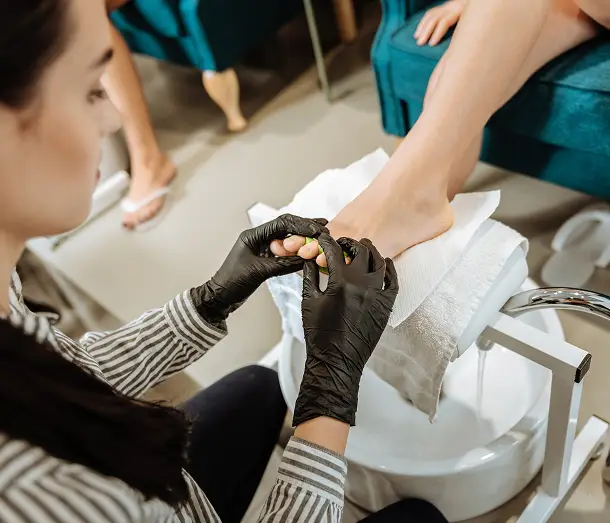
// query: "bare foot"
[[394, 224], [393, 219], [145, 181]]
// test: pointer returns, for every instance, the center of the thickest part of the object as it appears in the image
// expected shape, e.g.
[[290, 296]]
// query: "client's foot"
[[391, 216], [393, 221], [144, 182]]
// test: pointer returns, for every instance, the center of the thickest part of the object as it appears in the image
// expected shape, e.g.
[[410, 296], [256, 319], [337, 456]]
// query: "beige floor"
[[292, 138]]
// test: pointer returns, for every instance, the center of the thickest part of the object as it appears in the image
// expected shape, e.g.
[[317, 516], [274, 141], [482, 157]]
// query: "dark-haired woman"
[[76, 445]]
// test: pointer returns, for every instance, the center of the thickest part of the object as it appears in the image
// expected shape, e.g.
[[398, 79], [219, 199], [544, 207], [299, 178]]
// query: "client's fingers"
[[439, 32], [427, 27], [277, 249], [423, 23], [294, 243]]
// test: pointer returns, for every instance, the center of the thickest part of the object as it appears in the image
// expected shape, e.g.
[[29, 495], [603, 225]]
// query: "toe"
[[277, 249], [150, 211], [294, 243], [129, 221], [309, 251]]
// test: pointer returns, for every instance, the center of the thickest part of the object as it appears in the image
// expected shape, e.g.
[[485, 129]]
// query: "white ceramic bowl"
[[470, 461]]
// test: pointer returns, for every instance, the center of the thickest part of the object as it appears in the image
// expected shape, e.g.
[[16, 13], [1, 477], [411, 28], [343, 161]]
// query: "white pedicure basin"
[[467, 463], [477, 455]]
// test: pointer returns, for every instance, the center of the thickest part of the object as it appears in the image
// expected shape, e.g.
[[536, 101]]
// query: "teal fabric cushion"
[[551, 105], [206, 34], [161, 17], [228, 29], [412, 65]]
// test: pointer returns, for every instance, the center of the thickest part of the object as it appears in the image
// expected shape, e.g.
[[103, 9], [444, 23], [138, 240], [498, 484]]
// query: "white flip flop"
[[581, 244], [134, 207]]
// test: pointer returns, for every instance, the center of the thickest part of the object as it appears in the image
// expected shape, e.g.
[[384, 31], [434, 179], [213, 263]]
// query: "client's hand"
[[250, 263], [437, 21], [342, 327]]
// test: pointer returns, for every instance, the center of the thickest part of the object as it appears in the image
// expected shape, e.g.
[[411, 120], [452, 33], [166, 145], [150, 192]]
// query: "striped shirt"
[[36, 487]]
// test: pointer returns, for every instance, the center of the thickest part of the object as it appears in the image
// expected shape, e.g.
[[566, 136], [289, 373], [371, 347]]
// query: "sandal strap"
[[133, 207]]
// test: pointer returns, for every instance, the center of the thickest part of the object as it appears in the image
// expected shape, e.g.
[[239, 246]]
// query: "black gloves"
[[249, 264], [342, 326]]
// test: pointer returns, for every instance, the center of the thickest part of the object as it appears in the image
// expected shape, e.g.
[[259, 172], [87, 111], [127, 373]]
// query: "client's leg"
[[150, 168], [465, 163], [496, 48], [237, 423]]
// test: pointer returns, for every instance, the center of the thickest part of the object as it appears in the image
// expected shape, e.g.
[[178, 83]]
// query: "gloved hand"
[[249, 264], [342, 326]]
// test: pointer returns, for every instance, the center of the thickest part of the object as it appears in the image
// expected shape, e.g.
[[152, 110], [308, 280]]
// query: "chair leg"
[[223, 88], [346, 20], [317, 48]]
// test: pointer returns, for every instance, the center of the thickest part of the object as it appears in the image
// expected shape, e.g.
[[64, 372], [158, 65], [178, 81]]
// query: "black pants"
[[237, 425]]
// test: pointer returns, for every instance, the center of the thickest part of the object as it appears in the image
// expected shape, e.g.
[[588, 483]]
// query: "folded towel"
[[421, 268], [414, 356], [442, 281]]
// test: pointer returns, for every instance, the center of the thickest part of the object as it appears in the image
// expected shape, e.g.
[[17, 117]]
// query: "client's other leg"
[[150, 168]]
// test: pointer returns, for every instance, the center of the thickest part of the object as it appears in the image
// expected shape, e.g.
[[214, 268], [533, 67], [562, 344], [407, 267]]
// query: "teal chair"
[[209, 35], [557, 128]]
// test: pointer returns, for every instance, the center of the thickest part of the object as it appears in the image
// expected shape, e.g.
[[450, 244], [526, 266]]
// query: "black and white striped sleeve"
[[153, 347], [67, 498], [309, 488]]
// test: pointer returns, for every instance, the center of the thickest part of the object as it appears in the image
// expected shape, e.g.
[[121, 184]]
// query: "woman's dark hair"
[[32, 34], [54, 404], [44, 399]]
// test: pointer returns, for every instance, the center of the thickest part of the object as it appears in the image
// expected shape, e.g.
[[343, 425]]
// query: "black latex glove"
[[249, 264], [342, 326]]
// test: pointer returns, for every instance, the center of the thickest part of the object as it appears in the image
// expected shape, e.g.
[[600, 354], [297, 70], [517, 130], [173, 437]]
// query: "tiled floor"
[[292, 138]]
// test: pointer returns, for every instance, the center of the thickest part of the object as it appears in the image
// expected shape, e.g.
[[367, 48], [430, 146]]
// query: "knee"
[[261, 380], [257, 372], [112, 5], [595, 10], [261, 386]]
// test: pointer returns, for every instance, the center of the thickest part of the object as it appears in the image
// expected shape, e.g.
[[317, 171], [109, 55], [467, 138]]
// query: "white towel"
[[421, 268], [414, 356], [426, 322]]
